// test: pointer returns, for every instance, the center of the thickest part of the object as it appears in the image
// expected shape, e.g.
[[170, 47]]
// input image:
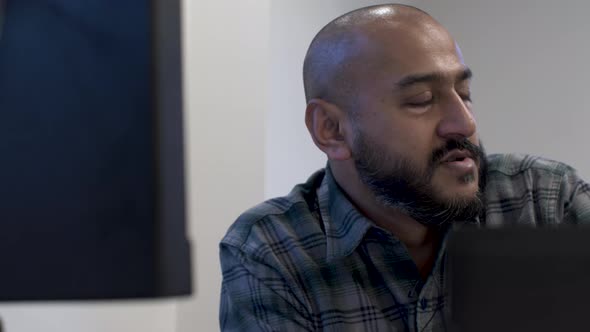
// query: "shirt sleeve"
[[255, 297], [574, 199]]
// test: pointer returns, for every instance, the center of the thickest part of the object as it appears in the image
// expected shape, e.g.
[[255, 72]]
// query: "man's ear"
[[326, 124]]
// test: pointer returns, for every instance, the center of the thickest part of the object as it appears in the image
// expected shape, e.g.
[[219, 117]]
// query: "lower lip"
[[462, 166]]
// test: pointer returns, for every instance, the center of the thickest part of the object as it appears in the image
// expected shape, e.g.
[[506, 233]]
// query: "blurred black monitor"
[[519, 279], [92, 198]]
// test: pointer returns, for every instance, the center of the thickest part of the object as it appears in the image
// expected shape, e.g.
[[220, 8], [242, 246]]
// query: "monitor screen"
[[91, 172]]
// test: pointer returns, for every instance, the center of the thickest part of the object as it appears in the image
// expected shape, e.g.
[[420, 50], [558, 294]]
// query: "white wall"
[[226, 56], [119, 316]]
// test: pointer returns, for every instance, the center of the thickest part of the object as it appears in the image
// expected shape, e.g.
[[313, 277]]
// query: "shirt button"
[[423, 304]]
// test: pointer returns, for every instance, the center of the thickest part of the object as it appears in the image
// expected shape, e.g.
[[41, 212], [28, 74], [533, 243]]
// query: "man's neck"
[[421, 241]]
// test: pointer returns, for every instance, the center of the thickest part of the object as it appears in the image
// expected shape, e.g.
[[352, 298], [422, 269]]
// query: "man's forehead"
[[401, 54], [388, 35], [452, 76], [372, 26]]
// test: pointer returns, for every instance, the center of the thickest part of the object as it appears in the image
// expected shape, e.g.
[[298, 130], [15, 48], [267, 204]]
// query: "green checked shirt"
[[311, 262]]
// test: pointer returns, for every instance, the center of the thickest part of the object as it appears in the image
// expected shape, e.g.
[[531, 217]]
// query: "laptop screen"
[[519, 279]]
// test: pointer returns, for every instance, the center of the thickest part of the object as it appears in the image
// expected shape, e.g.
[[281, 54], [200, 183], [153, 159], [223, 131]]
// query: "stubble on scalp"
[[338, 55]]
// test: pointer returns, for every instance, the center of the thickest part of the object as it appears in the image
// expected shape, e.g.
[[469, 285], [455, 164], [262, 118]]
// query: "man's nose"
[[457, 118]]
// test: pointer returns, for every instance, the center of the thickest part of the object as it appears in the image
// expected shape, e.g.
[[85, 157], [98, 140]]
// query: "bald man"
[[361, 245]]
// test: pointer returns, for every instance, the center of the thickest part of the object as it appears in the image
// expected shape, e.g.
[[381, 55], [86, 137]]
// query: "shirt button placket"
[[423, 303], [422, 317]]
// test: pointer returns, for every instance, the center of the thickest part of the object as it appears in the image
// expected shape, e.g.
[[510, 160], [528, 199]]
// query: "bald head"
[[346, 46]]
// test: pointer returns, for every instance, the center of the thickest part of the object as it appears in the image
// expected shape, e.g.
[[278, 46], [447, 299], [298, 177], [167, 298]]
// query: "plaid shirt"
[[310, 261]]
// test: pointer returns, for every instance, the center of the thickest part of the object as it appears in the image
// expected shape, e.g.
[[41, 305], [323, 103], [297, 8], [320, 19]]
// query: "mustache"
[[460, 144]]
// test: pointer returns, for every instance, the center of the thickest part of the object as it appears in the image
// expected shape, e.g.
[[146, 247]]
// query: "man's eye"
[[419, 103], [466, 97], [421, 100]]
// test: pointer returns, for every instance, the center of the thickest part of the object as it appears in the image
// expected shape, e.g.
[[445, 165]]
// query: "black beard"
[[401, 185]]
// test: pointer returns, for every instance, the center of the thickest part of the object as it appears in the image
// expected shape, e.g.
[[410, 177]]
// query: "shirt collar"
[[345, 226]]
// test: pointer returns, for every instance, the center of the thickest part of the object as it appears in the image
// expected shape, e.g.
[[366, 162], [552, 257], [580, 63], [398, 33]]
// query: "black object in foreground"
[[519, 279], [91, 175]]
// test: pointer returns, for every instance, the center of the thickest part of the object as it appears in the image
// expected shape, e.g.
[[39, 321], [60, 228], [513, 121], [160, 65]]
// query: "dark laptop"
[[519, 279]]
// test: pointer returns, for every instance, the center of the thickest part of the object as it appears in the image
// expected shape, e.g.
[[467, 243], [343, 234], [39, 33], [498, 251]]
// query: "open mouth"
[[456, 156], [455, 159]]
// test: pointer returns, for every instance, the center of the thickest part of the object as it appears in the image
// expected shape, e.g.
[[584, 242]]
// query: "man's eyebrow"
[[409, 80]]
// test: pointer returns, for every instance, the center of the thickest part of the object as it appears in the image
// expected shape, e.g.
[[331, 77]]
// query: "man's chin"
[[459, 190]]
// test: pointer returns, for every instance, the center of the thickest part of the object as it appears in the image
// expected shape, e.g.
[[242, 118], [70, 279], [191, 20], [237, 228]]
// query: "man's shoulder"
[[276, 219], [532, 190], [512, 164]]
